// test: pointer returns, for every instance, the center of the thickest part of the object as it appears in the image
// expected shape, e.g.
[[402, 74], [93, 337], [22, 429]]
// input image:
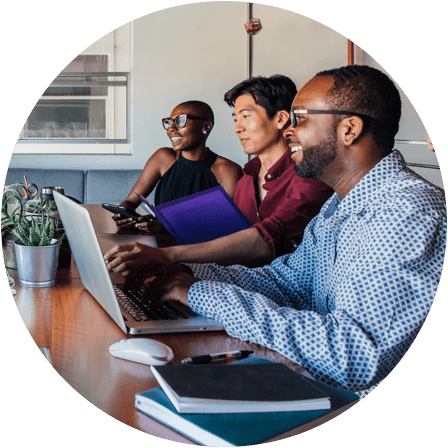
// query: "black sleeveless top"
[[186, 177]]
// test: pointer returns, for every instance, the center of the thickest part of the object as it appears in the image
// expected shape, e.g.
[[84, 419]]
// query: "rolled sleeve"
[[289, 205]]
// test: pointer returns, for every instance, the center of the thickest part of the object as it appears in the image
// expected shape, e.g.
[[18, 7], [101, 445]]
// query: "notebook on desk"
[[125, 309], [237, 429]]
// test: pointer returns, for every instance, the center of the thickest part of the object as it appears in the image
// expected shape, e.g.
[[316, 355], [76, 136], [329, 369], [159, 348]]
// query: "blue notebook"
[[240, 429], [199, 217]]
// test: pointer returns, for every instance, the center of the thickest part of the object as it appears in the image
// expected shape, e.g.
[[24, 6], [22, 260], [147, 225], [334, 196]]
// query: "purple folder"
[[200, 217]]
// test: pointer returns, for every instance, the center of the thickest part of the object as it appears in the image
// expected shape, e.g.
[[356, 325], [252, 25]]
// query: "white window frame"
[[118, 41]]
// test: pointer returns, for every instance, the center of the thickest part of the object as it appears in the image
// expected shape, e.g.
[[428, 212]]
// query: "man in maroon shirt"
[[277, 202]]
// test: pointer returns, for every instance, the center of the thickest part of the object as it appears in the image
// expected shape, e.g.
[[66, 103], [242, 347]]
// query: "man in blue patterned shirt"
[[348, 303]]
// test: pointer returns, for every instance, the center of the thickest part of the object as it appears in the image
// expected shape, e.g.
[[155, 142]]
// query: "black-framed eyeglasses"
[[180, 121], [335, 112]]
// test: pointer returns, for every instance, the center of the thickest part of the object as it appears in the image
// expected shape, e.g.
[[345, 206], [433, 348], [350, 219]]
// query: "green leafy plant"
[[33, 230], [37, 231], [39, 205], [12, 206]]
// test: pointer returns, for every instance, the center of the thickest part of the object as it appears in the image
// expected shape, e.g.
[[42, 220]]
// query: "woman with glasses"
[[188, 167]]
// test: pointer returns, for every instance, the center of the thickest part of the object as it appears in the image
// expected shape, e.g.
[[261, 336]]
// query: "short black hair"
[[368, 91], [272, 94], [203, 109]]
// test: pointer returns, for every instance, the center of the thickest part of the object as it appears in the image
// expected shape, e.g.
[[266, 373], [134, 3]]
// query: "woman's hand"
[[146, 223], [123, 222], [149, 224]]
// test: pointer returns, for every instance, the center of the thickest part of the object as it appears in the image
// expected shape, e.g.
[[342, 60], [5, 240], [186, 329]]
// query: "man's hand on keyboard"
[[139, 275], [173, 287], [164, 281], [130, 256]]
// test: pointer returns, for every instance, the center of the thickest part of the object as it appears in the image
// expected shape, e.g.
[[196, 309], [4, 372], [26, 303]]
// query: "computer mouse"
[[143, 351]]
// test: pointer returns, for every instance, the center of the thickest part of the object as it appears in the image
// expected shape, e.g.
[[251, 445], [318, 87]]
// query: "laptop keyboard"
[[132, 304]]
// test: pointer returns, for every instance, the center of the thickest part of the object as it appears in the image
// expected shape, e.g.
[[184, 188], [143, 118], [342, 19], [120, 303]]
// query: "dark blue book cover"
[[239, 429]]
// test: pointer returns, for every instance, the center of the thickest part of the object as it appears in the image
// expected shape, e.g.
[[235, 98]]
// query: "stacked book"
[[237, 404]]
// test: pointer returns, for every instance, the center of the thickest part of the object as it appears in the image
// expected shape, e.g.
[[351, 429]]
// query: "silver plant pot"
[[37, 265]]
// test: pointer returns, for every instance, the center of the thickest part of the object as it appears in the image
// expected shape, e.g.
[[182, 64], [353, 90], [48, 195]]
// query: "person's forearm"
[[129, 204], [322, 343], [246, 247]]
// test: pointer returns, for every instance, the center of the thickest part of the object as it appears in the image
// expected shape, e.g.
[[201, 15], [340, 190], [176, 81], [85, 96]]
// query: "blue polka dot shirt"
[[348, 303]]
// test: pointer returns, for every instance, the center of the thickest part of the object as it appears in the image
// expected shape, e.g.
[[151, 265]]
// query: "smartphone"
[[123, 211]]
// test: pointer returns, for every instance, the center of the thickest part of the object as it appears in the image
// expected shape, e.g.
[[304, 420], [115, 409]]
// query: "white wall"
[[192, 52], [411, 128], [199, 51], [295, 46]]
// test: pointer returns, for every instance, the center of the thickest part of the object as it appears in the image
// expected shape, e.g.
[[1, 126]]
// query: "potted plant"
[[36, 250]]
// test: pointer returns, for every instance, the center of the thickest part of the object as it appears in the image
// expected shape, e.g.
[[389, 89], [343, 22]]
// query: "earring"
[[204, 132]]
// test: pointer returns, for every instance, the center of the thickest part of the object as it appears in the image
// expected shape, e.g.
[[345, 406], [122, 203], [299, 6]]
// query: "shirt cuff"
[[272, 235], [201, 301]]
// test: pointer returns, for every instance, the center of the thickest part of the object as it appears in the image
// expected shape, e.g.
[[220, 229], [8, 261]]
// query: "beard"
[[316, 158]]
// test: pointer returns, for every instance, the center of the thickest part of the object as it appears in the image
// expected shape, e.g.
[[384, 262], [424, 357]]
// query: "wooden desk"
[[78, 332]]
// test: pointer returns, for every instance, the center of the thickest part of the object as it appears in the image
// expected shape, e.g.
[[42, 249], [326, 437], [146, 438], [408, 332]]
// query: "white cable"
[[11, 282]]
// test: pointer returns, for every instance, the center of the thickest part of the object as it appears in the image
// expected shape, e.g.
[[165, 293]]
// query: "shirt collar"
[[365, 190], [252, 168]]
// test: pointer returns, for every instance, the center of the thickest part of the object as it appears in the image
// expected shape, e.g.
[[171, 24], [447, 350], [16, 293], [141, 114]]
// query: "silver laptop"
[[130, 315]]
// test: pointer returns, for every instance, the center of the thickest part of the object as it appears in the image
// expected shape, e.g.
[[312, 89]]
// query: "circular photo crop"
[[223, 223]]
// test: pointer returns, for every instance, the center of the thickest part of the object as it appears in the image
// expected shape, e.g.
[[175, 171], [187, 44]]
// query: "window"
[[86, 108], [79, 105]]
